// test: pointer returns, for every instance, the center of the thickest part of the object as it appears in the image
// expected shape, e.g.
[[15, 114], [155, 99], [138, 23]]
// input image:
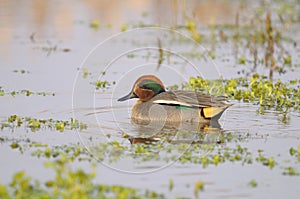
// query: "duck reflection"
[[176, 132]]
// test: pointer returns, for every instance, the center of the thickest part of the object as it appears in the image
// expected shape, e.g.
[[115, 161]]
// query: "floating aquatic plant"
[[68, 183], [95, 24], [192, 29], [24, 92], [202, 154], [102, 84], [124, 27], [22, 71], [291, 171], [295, 152], [253, 183], [34, 124], [268, 94]]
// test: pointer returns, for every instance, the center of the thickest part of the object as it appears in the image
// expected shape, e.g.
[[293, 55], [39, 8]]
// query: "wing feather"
[[191, 99]]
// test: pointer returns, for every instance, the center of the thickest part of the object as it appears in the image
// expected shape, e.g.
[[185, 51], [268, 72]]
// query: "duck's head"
[[145, 88]]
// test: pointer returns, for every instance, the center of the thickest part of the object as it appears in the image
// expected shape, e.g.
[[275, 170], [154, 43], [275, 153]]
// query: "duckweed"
[[290, 171], [253, 183], [34, 124], [68, 183], [192, 29], [171, 185], [183, 153], [287, 60], [85, 72], [131, 55], [36, 144], [2, 93], [270, 162], [211, 54], [268, 94], [203, 154], [102, 84], [295, 152], [124, 27], [198, 186], [25, 92], [72, 152], [95, 24], [14, 145], [22, 71], [242, 60]]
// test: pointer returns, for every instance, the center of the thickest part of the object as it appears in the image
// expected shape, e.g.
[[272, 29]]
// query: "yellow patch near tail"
[[210, 112]]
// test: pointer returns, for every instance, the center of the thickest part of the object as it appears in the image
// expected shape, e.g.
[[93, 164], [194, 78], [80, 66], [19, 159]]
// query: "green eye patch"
[[151, 85]]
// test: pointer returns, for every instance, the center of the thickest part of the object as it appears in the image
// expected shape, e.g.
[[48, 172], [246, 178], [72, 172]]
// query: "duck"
[[156, 104]]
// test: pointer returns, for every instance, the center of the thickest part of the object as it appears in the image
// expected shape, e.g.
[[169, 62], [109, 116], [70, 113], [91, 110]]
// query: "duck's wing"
[[211, 105], [200, 99], [190, 99]]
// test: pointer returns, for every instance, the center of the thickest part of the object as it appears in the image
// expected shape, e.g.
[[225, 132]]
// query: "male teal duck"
[[157, 104]]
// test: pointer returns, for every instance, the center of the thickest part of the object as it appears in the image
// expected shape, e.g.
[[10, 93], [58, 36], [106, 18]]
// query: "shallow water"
[[53, 41]]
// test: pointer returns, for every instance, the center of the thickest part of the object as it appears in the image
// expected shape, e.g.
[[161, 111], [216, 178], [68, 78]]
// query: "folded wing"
[[211, 105]]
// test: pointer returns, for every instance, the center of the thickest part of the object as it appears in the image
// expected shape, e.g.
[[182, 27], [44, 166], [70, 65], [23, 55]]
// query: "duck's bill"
[[127, 97]]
